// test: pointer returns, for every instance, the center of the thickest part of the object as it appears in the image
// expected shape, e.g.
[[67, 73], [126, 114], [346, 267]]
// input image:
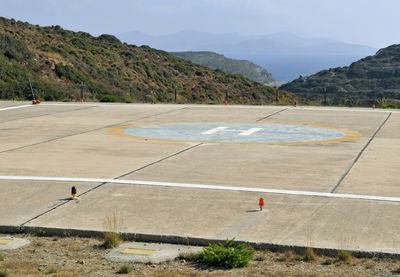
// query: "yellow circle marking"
[[350, 135]]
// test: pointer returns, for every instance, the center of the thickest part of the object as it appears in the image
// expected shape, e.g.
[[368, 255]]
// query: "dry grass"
[[72, 256]]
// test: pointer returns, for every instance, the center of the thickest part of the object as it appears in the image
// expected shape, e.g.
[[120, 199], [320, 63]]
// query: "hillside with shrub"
[[62, 64], [372, 80], [216, 61]]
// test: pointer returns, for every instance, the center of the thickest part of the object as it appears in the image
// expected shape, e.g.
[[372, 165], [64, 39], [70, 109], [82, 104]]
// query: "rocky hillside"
[[372, 80], [62, 63], [216, 61]]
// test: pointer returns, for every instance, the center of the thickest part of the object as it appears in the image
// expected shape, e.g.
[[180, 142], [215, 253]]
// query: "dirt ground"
[[73, 256]]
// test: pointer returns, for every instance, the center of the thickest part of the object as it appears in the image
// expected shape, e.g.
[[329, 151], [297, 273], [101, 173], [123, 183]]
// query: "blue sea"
[[287, 67]]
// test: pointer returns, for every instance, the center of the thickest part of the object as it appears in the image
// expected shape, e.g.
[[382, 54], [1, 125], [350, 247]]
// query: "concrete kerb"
[[189, 241]]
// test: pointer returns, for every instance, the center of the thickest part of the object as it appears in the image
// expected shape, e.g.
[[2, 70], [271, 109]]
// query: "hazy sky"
[[370, 22]]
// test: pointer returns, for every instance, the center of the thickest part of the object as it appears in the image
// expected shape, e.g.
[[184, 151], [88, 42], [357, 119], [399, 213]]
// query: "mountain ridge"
[[371, 80], [61, 64], [246, 68]]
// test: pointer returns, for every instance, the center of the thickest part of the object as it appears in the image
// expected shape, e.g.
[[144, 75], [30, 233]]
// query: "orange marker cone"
[[261, 203], [373, 106], [226, 102], [81, 100]]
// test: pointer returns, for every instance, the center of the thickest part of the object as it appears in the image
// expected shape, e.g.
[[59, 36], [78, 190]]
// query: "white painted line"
[[199, 186], [15, 107], [214, 130], [250, 131]]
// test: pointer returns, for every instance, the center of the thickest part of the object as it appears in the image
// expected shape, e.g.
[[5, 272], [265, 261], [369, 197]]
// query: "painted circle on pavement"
[[236, 132]]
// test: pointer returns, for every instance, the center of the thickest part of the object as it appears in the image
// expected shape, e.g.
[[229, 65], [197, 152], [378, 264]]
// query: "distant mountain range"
[[279, 43], [285, 55], [371, 80], [216, 61]]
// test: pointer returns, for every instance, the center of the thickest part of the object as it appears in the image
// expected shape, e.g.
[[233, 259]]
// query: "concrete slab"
[[21, 201], [64, 141], [149, 252], [377, 171]]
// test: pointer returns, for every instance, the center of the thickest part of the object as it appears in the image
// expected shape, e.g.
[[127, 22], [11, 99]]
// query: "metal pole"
[[82, 92], [175, 95], [30, 84], [324, 96]]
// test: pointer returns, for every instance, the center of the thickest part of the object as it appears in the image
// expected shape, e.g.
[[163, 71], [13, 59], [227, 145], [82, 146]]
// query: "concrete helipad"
[[329, 176]]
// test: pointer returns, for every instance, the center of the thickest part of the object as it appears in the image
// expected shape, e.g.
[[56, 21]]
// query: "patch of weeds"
[[309, 256], [345, 256], [125, 269], [396, 271], [288, 255], [39, 244], [226, 254], [42, 233], [111, 240], [328, 261], [55, 239], [111, 237], [4, 273], [1, 257], [52, 270]]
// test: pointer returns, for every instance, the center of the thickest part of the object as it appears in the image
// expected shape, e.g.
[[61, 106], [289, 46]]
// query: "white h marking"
[[250, 131], [213, 131], [226, 129]]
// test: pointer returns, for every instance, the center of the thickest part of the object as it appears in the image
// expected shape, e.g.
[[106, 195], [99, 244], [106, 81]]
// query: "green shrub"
[[389, 106], [109, 98], [4, 273], [345, 256], [226, 255], [1, 257], [125, 269], [111, 240]]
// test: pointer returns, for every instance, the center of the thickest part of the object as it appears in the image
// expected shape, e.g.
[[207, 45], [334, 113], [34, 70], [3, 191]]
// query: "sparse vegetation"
[[1, 257], [226, 254], [4, 273], [61, 64], [309, 255], [345, 256], [125, 269], [111, 240], [52, 270], [111, 237], [371, 80]]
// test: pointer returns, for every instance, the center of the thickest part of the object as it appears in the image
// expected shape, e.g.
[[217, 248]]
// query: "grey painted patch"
[[164, 252], [235, 132]]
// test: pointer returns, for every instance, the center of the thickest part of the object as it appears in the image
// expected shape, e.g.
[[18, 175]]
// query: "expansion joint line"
[[46, 114], [359, 154], [85, 132], [65, 201], [268, 116]]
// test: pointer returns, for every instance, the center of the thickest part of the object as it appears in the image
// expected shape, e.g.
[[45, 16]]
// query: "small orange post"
[[81, 100], [261, 203], [226, 102], [373, 106]]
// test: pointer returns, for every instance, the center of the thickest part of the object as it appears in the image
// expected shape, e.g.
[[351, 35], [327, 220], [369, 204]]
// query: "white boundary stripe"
[[199, 186], [15, 107]]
